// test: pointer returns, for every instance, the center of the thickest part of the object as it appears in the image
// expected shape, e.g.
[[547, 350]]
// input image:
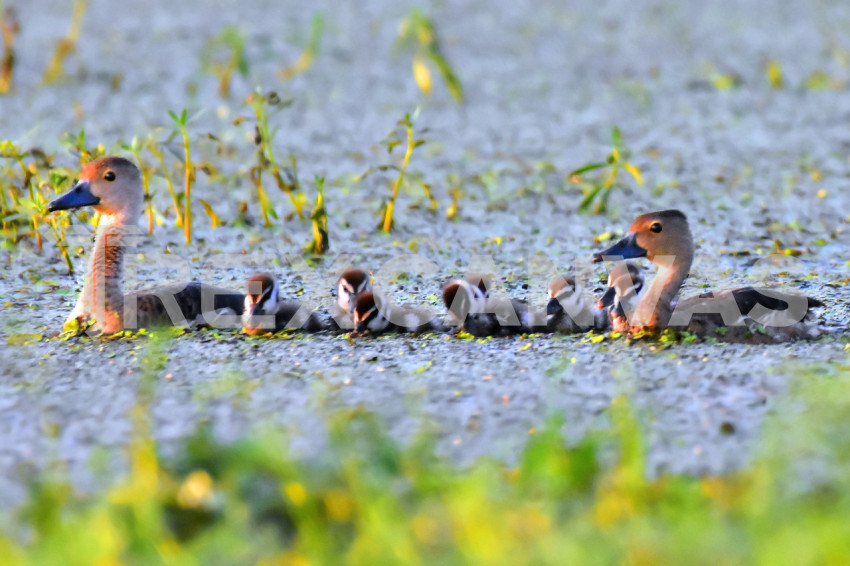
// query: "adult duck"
[[665, 239], [112, 186]]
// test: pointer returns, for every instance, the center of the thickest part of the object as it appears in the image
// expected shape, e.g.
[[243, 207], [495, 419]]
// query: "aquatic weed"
[[10, 26], [418, 34], [598, 191], [67, 45]]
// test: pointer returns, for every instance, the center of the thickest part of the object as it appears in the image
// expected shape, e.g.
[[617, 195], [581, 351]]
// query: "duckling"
[[620, 299], [352, 283], [472, 307], [664, 238], [113, 187], [372, 315], [262, 297], [465, 303], [568, 312]]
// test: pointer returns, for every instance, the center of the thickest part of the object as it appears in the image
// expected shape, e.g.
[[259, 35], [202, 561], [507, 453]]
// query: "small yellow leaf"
[[635, 172], [211, 213], [422, 74], [774, 74]]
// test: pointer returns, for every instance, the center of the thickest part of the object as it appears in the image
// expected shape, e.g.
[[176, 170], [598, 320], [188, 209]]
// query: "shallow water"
[[544, 85]]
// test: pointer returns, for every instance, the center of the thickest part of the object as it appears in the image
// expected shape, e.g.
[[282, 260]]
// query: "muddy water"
[[544, 85]]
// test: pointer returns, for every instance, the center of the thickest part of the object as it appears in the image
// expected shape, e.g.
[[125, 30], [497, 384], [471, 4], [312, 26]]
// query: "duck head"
[[351, 285], [110, 185], [664, 233]]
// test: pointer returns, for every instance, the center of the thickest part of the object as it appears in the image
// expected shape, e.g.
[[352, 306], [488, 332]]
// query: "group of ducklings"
[[471, 305]]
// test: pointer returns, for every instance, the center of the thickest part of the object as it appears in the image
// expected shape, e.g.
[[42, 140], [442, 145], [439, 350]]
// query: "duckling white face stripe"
[[272, 305]]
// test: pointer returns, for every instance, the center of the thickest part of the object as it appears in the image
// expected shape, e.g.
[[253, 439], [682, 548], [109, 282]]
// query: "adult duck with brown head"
[[665, 239], [112, 186]]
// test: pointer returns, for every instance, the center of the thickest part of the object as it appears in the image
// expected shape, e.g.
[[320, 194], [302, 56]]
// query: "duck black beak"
[[80, 195], [627, 248], [607, 298]]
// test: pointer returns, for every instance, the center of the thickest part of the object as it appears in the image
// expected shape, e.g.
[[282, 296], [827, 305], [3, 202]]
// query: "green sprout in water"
[[223, 55], [189, 172], [9, 28], [320, 243], [401, 136], [66, 45], [417, 34], [23, 200], [597, 192], [305, 60], [287, 177], [157, 152], [78, 143]]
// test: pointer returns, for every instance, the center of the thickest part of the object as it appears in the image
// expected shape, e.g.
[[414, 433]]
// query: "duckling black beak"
[[554, 307], [607, 298], [80, 195], [627, 248]]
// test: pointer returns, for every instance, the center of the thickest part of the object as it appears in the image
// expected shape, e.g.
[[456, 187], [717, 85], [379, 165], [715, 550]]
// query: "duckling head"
[[462, 298], [562, 289], [261, 295], [624, 280], [352, 283], [111, 185], [663, 233], [365, 313]]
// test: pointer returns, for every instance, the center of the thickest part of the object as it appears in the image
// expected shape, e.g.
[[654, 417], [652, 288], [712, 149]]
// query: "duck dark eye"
[[656, 227], [109, 176]]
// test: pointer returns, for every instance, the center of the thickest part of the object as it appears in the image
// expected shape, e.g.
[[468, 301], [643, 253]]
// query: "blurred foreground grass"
[[368, 500]]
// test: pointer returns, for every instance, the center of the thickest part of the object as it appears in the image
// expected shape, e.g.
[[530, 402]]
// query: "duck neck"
[[103, 295], [654, 310]]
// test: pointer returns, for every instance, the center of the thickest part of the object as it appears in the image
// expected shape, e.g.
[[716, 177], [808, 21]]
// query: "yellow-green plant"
[[286, 178], [417, 34], [305, 60], [9, 29], [403, 134], [66, 45], [188, 171], [597, 190], [223, 55], [159, 155], [320, 243], [28, 185]]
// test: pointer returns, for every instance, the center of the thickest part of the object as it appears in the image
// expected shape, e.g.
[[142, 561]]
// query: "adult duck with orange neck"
[[664, 238], [113, 187]]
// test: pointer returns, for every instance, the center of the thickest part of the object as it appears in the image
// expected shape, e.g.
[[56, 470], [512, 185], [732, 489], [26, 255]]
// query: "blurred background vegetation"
[[368, 500]]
